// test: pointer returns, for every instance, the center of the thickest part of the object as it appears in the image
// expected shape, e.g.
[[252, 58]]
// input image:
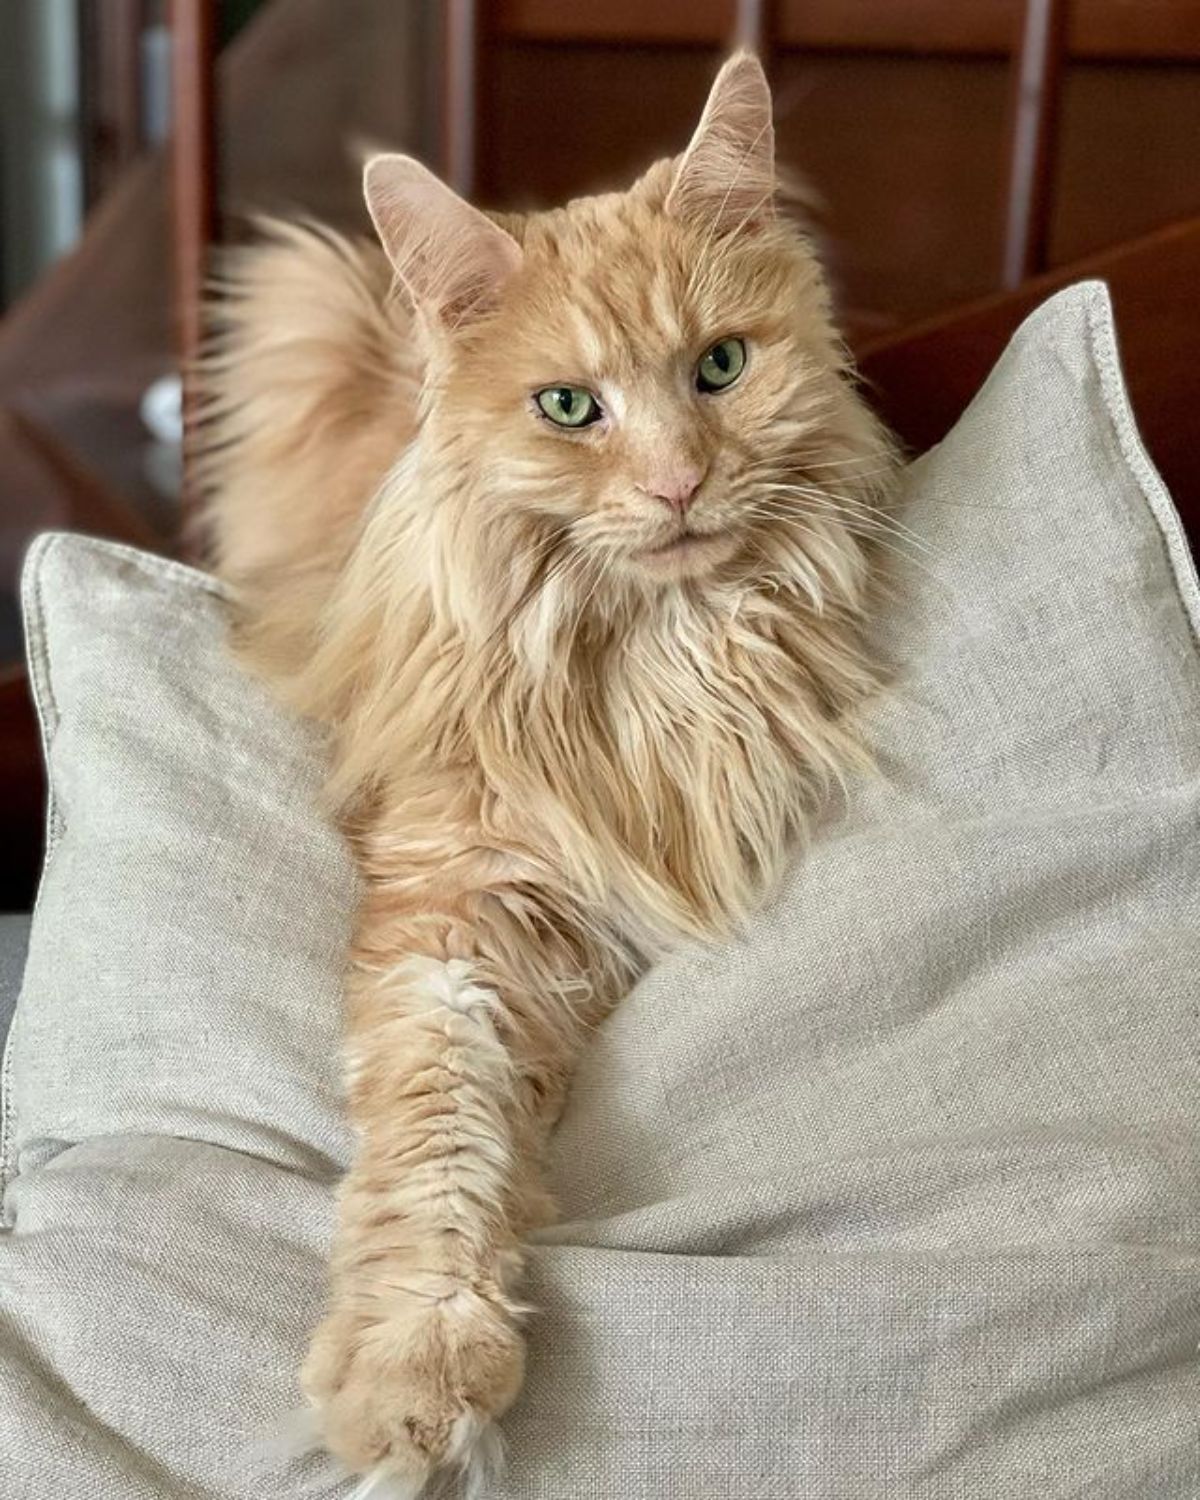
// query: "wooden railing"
[[1037, 95], [194, 205]]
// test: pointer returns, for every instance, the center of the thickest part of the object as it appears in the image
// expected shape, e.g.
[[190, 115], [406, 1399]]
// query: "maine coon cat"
[[561, 524]]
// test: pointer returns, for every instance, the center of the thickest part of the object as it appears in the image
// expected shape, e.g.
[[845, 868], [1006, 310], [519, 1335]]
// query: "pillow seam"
[[1106, 358], [145, 562]]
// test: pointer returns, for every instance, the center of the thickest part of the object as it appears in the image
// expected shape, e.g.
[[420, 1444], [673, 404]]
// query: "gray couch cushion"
[[894, 1197]]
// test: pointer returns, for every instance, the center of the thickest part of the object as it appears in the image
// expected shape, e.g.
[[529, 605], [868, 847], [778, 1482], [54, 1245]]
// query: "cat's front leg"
[[454, 1074]]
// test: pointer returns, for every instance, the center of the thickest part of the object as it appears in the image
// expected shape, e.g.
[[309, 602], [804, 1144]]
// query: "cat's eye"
[[569, 405], [721, 366]]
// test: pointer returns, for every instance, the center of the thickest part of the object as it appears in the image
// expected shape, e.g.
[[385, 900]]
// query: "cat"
[[562, 524]]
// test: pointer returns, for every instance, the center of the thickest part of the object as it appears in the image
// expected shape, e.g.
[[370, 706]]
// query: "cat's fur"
[[556, 752]]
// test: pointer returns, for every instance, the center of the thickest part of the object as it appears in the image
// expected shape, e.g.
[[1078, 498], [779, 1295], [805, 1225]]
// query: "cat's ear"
[[726, 177], [452, 260]]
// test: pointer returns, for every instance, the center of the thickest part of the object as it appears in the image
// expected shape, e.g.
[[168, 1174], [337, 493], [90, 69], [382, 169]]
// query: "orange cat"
[[566, 537]]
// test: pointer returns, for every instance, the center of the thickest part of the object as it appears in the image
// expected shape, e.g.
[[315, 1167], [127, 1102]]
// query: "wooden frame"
[[1100, 30], [462, 48], [1037, 96], [922, 378], [111, 66], [194, 205], [756, 26]]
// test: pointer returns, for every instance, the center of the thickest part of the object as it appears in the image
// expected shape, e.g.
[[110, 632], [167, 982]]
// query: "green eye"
[[721, 366], [569, 405]]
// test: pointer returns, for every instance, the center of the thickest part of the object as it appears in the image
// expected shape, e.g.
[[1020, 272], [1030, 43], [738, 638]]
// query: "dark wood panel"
[[909, 157], [1147, 29], [923, 379], [45, 485], [111, 79], [93, 506], [1129, 148], [105, 305], [625, 106], [909, 154]]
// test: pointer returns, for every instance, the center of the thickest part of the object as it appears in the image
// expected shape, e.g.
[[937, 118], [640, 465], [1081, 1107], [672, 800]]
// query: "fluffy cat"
[[561, 523]]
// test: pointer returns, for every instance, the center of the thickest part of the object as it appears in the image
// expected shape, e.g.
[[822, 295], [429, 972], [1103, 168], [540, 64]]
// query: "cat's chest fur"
[[670, 766]]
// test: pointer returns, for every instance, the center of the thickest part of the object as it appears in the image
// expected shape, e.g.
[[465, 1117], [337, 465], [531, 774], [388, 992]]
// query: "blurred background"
[[968, 155]]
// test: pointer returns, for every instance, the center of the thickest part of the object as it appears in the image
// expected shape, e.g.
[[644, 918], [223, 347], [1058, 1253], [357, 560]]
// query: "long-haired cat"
[[561, 524]]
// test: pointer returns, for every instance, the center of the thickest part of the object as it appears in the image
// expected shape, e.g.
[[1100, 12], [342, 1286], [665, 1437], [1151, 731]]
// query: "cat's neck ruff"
[[666, 742]]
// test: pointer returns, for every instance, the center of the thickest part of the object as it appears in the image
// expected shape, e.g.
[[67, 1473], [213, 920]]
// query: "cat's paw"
[[414, 1390]]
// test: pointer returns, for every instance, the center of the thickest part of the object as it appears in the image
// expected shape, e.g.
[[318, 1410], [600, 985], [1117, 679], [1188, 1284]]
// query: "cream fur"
[[557, 749]]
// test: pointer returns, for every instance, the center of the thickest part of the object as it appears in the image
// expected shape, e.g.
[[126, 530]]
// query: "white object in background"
[[156, 83], [162, 409], [162, 415]]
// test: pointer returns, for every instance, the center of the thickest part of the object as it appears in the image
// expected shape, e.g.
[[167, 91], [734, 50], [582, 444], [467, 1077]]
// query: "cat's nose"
[[674, 487]]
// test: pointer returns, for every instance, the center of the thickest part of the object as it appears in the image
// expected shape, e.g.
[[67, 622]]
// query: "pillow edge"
[[1105, 352], [149, 563], [45, 548], [45, 707]]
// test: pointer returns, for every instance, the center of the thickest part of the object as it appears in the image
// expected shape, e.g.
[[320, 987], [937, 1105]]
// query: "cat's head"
[[637, 388]]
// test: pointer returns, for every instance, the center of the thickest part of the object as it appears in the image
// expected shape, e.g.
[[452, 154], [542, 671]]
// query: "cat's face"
[[642, 387]]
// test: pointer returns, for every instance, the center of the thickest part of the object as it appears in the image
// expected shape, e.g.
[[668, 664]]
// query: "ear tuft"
[[726, 177], [452, 260]]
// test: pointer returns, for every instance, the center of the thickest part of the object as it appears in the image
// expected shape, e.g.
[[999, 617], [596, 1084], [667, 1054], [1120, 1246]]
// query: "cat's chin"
[[688, 556]]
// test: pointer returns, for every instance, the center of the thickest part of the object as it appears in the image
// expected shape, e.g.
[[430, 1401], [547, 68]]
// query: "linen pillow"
[[896, 1196]]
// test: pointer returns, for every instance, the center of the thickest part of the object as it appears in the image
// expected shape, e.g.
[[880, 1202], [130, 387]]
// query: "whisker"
[[867, 520], [890, 546], [799, 467], [850, 467], [850, 505], [865, 524]]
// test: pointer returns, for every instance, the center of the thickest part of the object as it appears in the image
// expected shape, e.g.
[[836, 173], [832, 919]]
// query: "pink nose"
[[674, 487]]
